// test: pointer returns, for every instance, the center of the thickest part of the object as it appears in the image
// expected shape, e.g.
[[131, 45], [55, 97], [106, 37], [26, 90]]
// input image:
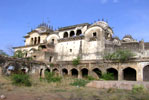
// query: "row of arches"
[[35, 40], [127, 73], [72, 33]]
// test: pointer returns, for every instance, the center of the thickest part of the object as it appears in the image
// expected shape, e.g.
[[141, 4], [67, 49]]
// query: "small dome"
[[128, 38], [102, 24], [43, 28]]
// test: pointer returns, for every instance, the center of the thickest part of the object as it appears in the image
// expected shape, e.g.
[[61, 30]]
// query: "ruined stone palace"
[[89, 42]]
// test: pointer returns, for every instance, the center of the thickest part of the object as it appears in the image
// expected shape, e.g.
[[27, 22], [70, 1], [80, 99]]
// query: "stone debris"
[[2, 97]]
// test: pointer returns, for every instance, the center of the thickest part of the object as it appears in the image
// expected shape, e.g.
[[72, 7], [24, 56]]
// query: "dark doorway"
[[97, 72], [129, 74], [64, 72], [146, 73], [84, 72], [114, 72], [74, 72]]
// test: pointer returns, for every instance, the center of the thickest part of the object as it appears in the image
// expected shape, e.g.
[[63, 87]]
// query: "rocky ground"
[[41, 90]]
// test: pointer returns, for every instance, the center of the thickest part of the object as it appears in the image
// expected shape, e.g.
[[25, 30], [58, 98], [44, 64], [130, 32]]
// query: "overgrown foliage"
[[90, 78], [76, 61], [3, 53], [51, 77], [79, 82], [120, 55], [21, 79], [107, 76], [19, 54], [138, 89]]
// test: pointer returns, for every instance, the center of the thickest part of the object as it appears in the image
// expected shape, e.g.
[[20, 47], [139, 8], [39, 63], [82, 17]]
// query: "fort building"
[[89, 42]]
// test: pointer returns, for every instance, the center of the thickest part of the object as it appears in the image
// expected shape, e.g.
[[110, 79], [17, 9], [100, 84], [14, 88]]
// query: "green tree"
[[3, 53], [76, 61], [19, 54]]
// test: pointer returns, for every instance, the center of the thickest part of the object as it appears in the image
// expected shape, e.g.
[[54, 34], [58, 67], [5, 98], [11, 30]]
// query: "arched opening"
[[84, 72], [146, 73], [78, 32], [35, 41], [114, 72], [72, 33], [94, 34], [64, 71], [23, 71], [47, 71], [56, 71], [41, 72], [97, 72], [65, 35], [74, 72], [129, 74], [38, 40], [52, 41]]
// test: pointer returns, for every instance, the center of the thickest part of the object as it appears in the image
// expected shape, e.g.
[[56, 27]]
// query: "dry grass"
[[64, 91]]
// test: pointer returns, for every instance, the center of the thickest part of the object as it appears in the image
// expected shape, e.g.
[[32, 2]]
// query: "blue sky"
[[17, 17]]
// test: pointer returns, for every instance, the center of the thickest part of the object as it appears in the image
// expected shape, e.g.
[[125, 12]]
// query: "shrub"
[[51, 65], [138, 89], [21, 79], [19, 54], [107, 76], [90, 78], [50, 77], [76, 61], [120, 55], [79, 82]]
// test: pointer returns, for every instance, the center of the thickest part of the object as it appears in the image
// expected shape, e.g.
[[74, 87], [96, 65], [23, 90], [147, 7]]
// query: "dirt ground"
[[41, 90]]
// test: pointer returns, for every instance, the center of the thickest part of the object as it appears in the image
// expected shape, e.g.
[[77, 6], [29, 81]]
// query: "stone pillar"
[[120, 74], [139, 74], [69, 72], [79, 74]]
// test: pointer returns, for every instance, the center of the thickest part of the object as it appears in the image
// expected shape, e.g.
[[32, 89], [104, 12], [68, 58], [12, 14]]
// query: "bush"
[[138, 89], [120, 55], [107, 76], [21, 79], [19, 54], [50, 77], [90, 78], [76, 61], [79, 82]]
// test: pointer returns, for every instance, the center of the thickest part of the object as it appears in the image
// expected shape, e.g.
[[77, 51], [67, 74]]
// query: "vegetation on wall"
[[120, 55], [76, 61], [107, 76], [19, 54]]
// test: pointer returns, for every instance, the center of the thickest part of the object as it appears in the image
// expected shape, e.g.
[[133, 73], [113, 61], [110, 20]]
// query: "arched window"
[[94, 34], [35, 41], [72, 33], [78, 32], [114, 72], [129, 74], [38, 40], [65, 35], [84, 72], [52, 41]]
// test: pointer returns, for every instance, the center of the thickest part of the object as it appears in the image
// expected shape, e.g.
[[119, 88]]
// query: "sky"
[[17, 17]]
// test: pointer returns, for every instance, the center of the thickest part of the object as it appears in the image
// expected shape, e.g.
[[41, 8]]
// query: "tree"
[[3, 53], [19, 54]]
